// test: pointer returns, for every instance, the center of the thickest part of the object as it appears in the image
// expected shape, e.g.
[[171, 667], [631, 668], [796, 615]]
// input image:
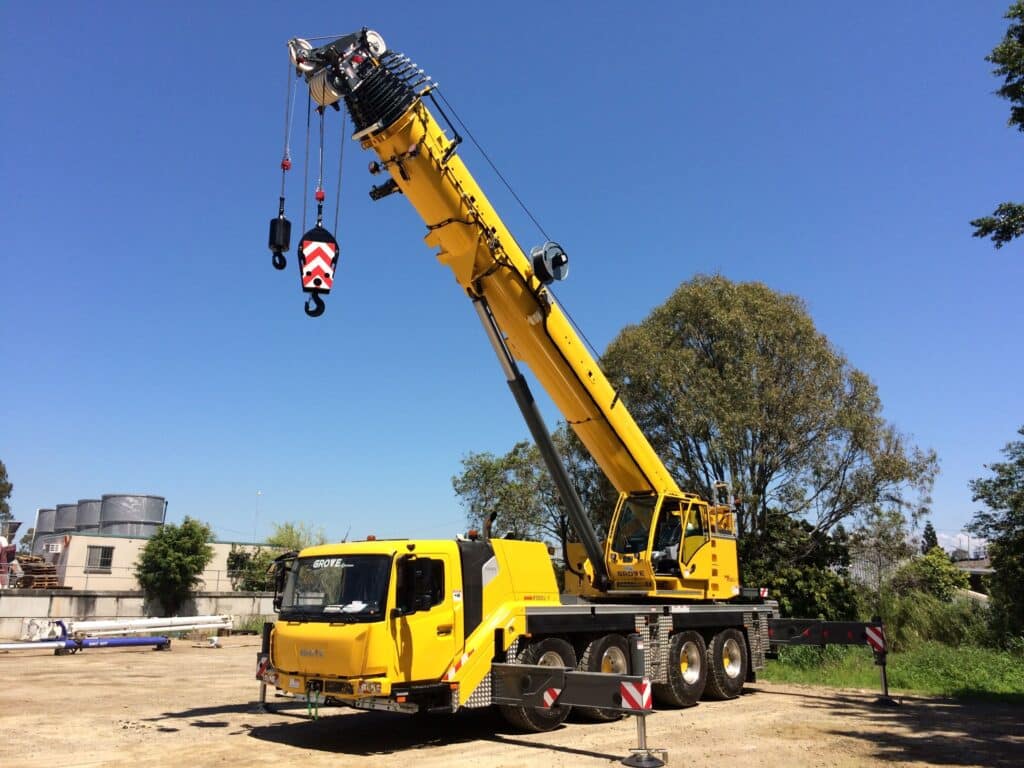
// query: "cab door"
[[423, 620]]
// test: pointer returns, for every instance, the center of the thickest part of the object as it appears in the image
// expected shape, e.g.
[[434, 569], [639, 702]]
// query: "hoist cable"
[[522, 205], [305, 161], [320, 176], [289, 110], [341, 157], [491, 163]]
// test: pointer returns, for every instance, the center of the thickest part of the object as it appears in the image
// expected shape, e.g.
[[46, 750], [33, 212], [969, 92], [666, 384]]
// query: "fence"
[[123, 578], [19, 604]]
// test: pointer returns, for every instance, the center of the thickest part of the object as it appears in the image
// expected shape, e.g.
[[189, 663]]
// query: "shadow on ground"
[[930, 730], [381, 733]]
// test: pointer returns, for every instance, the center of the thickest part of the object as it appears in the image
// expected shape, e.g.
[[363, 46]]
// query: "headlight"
[[369, 687]]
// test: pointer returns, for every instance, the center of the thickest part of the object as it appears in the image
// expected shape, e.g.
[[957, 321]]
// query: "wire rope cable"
[[289, 110], [493, 166], [305, 161]]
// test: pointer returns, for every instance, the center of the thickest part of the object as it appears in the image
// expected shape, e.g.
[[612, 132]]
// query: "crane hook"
[[315, 305], [279, 260]]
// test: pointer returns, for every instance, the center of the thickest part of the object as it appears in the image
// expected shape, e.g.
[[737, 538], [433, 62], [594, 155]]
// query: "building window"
[[98, 559]]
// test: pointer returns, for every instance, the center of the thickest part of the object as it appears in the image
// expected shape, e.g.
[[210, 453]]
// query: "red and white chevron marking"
[[551, 696], [450, 675], [636, 695], [318, 265], [876, 638]]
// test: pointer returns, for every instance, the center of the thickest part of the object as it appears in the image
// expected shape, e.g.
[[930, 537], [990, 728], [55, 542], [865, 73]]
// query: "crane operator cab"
[[669, 545]]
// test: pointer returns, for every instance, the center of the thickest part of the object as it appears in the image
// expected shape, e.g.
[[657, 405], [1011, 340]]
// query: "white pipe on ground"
[[108, 625]]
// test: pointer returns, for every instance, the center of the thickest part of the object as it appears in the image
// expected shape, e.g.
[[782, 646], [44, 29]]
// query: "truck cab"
[[403, 618]]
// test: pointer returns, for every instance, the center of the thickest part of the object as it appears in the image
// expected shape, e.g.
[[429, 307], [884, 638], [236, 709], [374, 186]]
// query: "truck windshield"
[[634, 525], [342, 588]]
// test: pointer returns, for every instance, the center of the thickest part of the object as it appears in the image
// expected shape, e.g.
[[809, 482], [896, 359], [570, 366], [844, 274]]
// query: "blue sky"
[[834, 151]]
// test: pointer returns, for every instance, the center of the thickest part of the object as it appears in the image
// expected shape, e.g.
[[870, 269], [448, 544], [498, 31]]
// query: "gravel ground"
[[194, 706]]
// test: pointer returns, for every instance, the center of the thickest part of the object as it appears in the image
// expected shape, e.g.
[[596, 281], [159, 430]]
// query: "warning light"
[[371, 537]]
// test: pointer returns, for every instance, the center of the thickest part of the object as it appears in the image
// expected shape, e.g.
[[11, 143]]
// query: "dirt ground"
[[194, 706]]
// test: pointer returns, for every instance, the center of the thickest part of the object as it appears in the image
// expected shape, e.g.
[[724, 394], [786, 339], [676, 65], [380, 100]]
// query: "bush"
[[932, 574], [916, 617]]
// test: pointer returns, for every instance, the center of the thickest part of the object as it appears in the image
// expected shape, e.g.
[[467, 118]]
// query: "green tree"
[[878, 545], [929, 539], [169, 566], [289, 536], [506, 488], [25, 543], [931, 573], [1007, 221], [6, 489], [519, 491], [732, 381], [812, 585], [249, 570], [1002, 523]]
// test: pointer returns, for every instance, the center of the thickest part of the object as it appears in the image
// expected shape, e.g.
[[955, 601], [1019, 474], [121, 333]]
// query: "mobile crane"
[[415, 625]]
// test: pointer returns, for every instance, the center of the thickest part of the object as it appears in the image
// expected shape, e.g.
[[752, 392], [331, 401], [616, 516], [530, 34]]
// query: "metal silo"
[[123, 514], [44, 528], [88, 520], [64, 520]]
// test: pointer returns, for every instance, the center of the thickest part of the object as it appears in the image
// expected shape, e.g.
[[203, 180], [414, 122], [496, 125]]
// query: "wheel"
[[548, 652], [609, 654], [687, 671], [727, 664]]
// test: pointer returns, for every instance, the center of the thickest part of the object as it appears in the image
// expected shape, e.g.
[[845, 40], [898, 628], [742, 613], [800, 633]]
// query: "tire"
[[687, 671], [549, 651], [727, 665], [609, 653]]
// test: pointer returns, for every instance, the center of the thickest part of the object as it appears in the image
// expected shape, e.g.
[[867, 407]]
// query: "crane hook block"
[[318, 257], [280, 239]]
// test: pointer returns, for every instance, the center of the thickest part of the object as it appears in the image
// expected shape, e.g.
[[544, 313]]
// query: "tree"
[[518, 490], [291, 536], [1002, 523], [816, 585], [1007, 221], [929, 539], [25, 543], [732, 381], [249, 570], [931, 573], [507, 488], [170, 564], [6, 489], [878, 545]]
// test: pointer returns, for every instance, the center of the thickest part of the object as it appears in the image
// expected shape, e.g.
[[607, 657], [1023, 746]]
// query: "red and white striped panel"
[[318, 260], [876, 638], [450, 675], [551, 696], [636, 695]]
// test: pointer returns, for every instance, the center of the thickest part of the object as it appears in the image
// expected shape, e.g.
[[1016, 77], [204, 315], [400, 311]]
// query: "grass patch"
[[931, 668]]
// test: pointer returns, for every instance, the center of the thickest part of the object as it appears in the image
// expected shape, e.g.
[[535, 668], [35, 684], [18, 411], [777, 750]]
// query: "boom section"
[[392, 119]]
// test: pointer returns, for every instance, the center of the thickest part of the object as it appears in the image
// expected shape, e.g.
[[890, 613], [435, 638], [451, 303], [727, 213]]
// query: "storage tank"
[[88, 520], [44, 527], [64, 520], [125, 514]]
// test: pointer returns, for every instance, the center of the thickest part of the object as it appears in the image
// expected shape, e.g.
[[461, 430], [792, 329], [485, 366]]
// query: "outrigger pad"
[[318, 256]]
